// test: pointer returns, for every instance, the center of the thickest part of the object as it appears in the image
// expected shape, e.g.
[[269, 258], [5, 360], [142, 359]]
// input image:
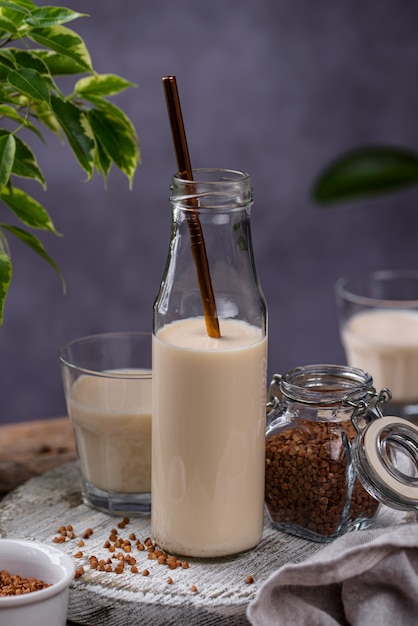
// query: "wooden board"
[[37, 509], [31, 448]]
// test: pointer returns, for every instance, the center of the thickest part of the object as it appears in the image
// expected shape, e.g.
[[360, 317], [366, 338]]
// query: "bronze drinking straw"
[[196, 235]]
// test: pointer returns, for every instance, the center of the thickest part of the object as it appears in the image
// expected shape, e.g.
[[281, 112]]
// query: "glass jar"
[[330, 455], [209, 393]]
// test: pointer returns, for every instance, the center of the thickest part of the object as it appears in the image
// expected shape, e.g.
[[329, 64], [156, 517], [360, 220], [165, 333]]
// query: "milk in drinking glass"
[[378, 313], [111, 419], [385, 342]]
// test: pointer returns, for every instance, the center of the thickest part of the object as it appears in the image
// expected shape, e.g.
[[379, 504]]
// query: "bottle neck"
[[212, 189], [212, 217]]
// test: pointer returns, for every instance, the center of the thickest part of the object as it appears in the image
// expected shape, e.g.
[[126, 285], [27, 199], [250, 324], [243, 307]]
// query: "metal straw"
[[196, 235]]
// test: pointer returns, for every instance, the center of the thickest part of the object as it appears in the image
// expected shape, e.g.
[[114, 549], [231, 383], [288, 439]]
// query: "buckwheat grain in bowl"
[[34, 583]]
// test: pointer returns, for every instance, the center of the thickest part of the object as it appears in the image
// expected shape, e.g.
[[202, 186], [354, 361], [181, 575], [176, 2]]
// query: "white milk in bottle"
[[209, 420]]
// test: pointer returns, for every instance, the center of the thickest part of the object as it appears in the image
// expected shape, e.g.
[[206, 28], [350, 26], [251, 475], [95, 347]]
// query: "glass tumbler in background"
[[107, 382], [378, 317]]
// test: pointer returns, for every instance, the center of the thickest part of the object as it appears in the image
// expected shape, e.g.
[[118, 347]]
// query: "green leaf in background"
[[116, 140], [10, 112], [103, 162], [45, 116], [33, 242], [52, 16], [64, 41], [8, 26], [366, 172], [78, 132], [7, 59], [101, 85], [27, 58], [115, 112], [7, 156], [24, 161], [30, 83], [21, 6], [58, 64], [27, 209], [112, 111], [5, 275], [6, 97], [15, 13], [25, 164]]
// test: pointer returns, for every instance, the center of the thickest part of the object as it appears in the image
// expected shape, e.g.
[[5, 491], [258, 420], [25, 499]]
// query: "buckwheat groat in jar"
[[311, 488]]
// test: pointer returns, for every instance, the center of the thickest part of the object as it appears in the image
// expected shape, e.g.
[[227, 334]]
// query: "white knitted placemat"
[[208, 592]]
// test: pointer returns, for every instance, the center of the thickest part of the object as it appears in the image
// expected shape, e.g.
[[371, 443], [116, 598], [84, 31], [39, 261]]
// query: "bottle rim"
[[212, 189]]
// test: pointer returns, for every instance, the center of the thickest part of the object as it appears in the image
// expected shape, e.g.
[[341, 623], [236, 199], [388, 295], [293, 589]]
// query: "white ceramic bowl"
[[46, 607]]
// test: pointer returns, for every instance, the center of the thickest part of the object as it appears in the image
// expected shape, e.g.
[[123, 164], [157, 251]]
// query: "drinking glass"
[[107, 382], [378, 317]]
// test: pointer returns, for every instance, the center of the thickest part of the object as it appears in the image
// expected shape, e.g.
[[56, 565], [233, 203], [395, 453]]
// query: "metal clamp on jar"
[[331, 456]]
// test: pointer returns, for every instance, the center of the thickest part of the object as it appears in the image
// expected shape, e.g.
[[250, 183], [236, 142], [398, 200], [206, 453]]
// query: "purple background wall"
[[275, 88]]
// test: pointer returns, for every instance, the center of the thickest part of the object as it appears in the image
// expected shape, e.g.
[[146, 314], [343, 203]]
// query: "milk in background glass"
[[208, 437], [111, 418], [378, 314], [385, 343]]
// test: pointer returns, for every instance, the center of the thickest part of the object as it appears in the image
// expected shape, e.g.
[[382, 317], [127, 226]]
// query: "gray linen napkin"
[[364, 578]]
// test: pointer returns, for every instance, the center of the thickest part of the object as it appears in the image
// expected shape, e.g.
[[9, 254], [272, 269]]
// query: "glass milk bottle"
[[209, 394]]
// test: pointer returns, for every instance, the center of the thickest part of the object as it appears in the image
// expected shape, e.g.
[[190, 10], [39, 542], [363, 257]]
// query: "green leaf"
[[33, 242], [5, 274], [64, 41], [24, 163], [101, 85], [7, 97], [8, 26], [21, 6], [7, 155], [78, 132], [27, 209], [52, 16], [7, 63], [13, 12], [31, 60], [117, 141], [103, 162], [11, 113], [366, 172], [113, 111], [30, 83], [26, 58], [45, 116], [7, 58], [58, 64]]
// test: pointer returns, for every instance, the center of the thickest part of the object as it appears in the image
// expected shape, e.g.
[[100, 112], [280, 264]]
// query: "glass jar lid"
[[385, 456]]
